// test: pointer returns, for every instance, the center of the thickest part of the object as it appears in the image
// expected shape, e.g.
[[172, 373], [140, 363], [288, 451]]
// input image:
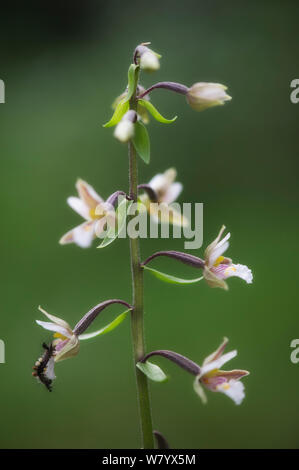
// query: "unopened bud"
[[124, 131], [205, 95]]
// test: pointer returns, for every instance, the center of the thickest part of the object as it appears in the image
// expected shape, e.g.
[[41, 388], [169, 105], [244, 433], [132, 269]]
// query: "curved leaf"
[[119, 112], [152, 371], [154, 112], [172, 279], [106, 329], [141, 142], [121, 216]]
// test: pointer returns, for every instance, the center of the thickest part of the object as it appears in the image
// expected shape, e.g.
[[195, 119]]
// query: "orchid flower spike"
[[94, 210], [217, 380], [161, 191], [201, 96], [217, 268]]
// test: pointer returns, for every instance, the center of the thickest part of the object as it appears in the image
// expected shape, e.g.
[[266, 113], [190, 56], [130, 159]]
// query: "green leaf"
[[119, 112], [132, 80], [121, 216], [106, 329], [141, 142], [172, 279], [152, 371], [154, 112]]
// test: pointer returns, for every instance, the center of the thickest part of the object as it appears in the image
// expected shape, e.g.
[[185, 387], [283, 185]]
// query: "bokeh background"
[[63, 63]]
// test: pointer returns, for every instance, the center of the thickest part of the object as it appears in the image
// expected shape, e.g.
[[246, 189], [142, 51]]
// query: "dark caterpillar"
[[40, 367]]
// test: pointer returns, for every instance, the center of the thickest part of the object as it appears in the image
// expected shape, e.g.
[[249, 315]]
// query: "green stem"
[[137, 323]]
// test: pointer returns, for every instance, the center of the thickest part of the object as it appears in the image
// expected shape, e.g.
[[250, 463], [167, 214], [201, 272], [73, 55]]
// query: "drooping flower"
[[201, 95], [96, 212], [209, 375], [217, 268], [161, 191], [216, 380], [66, 341]]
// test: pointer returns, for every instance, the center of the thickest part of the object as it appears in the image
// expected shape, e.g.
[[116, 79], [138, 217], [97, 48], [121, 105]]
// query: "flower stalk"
[[137, 320]]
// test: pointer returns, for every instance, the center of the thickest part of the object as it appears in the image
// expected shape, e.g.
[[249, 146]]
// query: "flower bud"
[[124, 131], [205, 95], [149, 61]]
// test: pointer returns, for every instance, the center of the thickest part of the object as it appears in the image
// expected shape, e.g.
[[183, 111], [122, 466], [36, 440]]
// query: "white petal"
[[158, 182], [50, 369], [218, 362], [216, 354], [173, 193], [67, 238], [239, 270], [199, 390], [88, 194], [79, 206], [56, 320], [54, 327], [84, 234], [234, 389]]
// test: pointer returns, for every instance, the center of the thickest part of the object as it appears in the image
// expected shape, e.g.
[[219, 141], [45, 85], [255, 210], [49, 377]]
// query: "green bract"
[[171, 279], [123, 106], [152, 371], [106, 329], [154, 112], [141, 142]]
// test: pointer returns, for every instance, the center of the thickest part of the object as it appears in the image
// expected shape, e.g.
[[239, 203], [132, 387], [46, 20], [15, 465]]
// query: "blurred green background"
[[63, 63]]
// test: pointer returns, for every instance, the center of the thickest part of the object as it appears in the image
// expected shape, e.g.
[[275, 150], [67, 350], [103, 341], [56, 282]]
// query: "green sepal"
[[121, 215], [152, 371], [154, 112], [141, 142], [106, 329], [172, 279]]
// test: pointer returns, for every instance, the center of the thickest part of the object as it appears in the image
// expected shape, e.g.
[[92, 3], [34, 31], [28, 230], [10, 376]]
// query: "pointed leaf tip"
[[119, 112], [154, 112]]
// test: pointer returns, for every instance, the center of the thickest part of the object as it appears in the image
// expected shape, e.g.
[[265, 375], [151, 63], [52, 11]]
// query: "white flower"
[[66, 342], [94, 210], [167, 190], [205, 95], [217, 380], [218, 268], [149, 61], [124, 131]]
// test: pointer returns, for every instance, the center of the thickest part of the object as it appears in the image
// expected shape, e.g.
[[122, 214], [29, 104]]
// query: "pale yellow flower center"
[[94, 216], [219, 260]]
